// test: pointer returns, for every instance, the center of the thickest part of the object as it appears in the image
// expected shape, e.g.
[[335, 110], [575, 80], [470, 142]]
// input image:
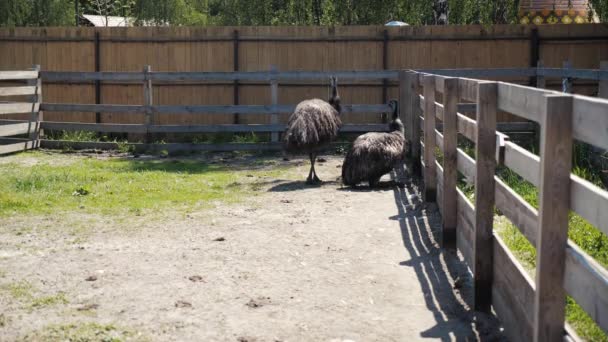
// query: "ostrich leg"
[[315, 179], [309, 180]]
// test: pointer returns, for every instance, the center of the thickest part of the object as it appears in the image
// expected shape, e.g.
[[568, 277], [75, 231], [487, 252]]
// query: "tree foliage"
[[269, 12]]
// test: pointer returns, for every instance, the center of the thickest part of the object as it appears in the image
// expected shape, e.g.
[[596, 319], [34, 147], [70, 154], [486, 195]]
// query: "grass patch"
[[25, 292], [90, 332], [40, 302], [111, 186], [20, 290]]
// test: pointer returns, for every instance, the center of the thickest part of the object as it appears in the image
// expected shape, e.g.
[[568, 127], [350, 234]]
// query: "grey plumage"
[[313, 125], [375, 154]]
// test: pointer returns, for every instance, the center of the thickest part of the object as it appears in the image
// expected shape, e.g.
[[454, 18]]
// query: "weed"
[[20, 290], [59, 298], [74, 136], [80, 331]]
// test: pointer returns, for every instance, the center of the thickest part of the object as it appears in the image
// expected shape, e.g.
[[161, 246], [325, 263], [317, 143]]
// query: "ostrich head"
[[334, 100], [396, 124]]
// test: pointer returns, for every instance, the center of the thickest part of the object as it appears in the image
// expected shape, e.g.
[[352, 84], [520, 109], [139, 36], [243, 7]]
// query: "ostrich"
[[313, 125], [375, 154]]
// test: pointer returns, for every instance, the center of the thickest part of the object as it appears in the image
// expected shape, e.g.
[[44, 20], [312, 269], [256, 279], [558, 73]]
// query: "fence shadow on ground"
[[454, 318]]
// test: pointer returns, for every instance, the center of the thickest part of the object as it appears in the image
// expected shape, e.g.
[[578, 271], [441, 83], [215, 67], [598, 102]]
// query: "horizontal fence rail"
[[30, 96], [530, 309], [266, 76]]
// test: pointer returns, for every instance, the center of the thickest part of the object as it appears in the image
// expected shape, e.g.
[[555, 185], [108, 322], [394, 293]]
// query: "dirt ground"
[[297, 263]]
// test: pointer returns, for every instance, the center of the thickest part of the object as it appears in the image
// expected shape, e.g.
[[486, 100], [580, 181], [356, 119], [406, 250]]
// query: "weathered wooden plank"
[[18, 147], [467, 127], [440, 83], [439, 140], [512, 293], [556, 164], [405, 104], [485, 167], [414, 84], [587, 282], [465, 232], [590, 118], [430, 182], [586, 199], [439, 169], [63, 107], [15, 129], [94, 127], [541, 81], [450, 166], [138, 128], [590, 202], [148, 101], [462, 107], [587, 74], [466, 165], [483, 72], [468, 88], [73, 76], [18, 108], [274, 100], [18, 91], [220, 109], [522, 101], [259, 109], [18, 75], [464, 245], [523, 162], [220, 76], [523, 215], [602, 91], [439, 111], [566, 80], [36, 116]]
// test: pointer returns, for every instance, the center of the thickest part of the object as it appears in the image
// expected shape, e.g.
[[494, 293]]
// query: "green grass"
[[81, 332], [25, 293], [114, 186]]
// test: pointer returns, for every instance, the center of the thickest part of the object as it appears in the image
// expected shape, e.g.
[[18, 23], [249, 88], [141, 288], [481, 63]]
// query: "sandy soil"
[[298, 263]]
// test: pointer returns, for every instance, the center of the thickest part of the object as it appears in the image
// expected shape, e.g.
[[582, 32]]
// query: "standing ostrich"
[[375, 154], [313, 125]]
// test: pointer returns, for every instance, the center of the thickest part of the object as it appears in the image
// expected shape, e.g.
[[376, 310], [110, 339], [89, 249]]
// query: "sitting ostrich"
[[313, 125], [375, 154]]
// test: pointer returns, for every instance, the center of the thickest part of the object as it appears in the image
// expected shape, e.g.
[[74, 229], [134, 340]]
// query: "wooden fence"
[[530, 309], [148, 115], [25, 99], [230, 49]]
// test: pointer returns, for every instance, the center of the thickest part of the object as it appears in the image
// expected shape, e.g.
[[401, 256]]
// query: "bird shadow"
[[299, 185], [437, 269], [381, 186]]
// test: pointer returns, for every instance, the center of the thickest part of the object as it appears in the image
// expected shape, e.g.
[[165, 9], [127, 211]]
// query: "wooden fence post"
[[567, 81], [485, 152], [404, 104], [541, 82], [36, 115], [603, 85], [415, 110], [148, 101], [430, 173], [274, 99], [450, 168], [556, 165]]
